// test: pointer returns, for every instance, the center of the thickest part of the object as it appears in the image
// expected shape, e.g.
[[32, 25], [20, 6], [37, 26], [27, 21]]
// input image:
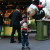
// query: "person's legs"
[[0, 31], [12, 35], [27, 43], [23, 43], [19, 34]]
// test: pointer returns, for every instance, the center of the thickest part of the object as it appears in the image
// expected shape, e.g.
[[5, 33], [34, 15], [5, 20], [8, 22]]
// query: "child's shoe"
[[23, 48]]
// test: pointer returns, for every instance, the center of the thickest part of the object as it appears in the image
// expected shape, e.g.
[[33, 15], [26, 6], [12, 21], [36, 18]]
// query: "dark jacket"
[[15, 17], [1, 20], [24, 32]]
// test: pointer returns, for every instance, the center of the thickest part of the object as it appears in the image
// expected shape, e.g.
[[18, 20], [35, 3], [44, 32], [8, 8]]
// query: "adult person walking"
[[15, 18], [1, 22]]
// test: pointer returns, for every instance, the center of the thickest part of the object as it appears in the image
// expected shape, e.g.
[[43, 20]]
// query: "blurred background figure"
[[1, 22], [41, 11], [43, 3]]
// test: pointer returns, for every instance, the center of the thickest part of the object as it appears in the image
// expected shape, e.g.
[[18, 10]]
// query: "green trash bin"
[[42, 30]]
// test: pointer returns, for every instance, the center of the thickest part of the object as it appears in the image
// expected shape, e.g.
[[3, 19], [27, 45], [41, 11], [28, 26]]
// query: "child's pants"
[[25, 41]]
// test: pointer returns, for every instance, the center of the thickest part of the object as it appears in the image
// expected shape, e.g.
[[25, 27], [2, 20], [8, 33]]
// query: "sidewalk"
[[34, 44]]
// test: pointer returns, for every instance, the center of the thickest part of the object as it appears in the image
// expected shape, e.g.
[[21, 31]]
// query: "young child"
[[25, 36]]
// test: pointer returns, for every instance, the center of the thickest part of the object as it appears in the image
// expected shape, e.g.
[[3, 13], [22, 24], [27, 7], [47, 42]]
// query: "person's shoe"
[[28, 47], [22, 48], [12, 41]]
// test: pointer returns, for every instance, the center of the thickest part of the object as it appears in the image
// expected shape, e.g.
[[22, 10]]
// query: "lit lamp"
[[9, 5], [6, 11]]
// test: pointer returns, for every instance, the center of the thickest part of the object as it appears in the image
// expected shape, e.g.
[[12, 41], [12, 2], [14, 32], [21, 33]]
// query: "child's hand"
[[4, 22], [21, 21], [29, 30]]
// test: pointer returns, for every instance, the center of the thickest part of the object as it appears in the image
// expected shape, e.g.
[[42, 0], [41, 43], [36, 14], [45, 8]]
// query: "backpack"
[[41, 14]]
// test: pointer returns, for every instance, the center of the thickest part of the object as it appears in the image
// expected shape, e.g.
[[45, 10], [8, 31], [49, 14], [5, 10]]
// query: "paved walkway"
[[34, 44]]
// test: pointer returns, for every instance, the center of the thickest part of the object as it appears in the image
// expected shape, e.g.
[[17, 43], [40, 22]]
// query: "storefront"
[[7, 8]]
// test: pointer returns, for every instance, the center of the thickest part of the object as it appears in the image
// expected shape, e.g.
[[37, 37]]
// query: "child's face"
[[25, 25]]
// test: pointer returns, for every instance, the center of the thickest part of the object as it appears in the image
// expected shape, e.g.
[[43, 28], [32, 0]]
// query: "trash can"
[[42, 30], [49, 29]]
